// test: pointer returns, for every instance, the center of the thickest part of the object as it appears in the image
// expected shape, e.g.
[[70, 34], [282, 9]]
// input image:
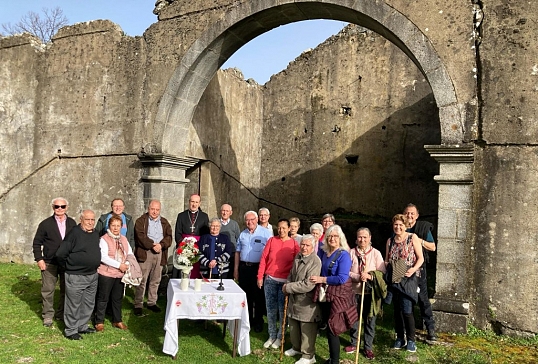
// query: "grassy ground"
[[24, 339]]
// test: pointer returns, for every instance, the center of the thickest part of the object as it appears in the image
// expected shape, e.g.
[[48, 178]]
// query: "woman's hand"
[[318, 279], [260, 283], [410, 272], [365, 276], [123, 267], [212, 264]]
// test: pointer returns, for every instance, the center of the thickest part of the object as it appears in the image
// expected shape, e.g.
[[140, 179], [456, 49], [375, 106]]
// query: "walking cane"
[[283, 327], [360, 324]]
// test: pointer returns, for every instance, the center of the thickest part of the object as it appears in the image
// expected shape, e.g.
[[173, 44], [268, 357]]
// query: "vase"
[[185, 270]]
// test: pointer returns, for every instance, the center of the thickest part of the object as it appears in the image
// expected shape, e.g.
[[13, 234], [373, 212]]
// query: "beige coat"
[[301, 307]]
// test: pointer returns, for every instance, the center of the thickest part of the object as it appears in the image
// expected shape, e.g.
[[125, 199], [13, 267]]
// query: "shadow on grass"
[[29, 291]]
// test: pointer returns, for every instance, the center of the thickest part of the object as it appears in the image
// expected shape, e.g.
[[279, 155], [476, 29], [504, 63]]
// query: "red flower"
[[195, 246], [182, 243], [179, 250]]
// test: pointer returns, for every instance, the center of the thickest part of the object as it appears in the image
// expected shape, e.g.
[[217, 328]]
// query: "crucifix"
[[192, 229]]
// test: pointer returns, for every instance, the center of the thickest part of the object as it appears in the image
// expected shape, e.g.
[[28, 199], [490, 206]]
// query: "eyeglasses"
[[333, 236], [56, 207]]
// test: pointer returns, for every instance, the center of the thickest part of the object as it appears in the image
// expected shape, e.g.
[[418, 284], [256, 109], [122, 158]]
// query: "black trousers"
[[424, 302], [255, 296], [332, 339], [108, 289]]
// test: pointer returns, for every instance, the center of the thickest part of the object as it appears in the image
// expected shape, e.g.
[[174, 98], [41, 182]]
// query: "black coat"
[[183, 225], [47, 239]]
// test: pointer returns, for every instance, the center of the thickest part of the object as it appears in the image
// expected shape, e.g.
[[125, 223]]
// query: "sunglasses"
[[59, 206]]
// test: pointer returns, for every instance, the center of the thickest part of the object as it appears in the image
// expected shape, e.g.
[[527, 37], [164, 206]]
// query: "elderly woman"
[[295, 223], [275, 266], [406, 248], [317, 232], [367, 268], [339, 310], [215, 251], [114, 251], [304, 314]]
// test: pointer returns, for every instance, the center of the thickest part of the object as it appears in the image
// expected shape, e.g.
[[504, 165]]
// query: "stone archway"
[[250, 19]]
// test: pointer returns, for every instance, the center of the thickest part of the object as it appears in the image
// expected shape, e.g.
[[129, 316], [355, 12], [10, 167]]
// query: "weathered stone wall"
[[226, 132], [506, 261], [355, 96]]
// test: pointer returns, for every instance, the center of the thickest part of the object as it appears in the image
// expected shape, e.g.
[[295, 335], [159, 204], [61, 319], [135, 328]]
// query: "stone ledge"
[[450, 322]]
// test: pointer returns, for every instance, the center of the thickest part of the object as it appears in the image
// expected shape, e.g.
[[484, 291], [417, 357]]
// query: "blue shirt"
[[250, 246], [340, 270], [155, 230]]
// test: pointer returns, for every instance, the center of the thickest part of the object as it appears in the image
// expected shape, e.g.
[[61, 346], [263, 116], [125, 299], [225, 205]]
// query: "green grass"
[[23, 339]]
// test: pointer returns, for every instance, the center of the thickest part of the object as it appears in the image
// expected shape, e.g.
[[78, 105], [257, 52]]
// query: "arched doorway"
[[250, 19]]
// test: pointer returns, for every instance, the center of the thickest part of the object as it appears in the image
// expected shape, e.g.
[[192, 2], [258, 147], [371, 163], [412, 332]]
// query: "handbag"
[[399, 267]]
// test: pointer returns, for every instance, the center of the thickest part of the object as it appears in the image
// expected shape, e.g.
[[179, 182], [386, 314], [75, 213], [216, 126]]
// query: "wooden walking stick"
[[360, 324], [283, 327]]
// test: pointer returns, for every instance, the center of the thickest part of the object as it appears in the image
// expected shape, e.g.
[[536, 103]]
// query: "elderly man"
[[304, 314], [248, 252], [264, 215], [153, 237], [191, 222], [127, 227], [80, 254], [230, 228], [47, 240], [423, 230]]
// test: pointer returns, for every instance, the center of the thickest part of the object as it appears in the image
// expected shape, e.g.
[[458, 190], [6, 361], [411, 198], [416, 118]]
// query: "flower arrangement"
[[186, 253]]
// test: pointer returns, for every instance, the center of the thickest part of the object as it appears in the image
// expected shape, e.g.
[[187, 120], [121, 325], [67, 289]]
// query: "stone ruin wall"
[[44, 109]]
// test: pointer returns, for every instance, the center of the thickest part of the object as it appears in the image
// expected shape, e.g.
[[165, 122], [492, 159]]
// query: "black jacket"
[[47, 239]]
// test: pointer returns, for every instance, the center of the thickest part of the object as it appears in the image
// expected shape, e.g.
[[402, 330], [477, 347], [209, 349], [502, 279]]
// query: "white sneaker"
[[306, 361], [291, 352], [268, 343], [276, 344]]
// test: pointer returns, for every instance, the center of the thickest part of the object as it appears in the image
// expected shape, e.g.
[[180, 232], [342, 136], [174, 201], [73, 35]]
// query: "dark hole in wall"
[[352, 158]]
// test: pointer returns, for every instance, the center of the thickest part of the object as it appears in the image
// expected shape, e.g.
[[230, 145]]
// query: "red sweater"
[[277, 258]]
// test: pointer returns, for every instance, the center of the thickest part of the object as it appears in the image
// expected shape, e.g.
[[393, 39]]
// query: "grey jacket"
[[301, 306]]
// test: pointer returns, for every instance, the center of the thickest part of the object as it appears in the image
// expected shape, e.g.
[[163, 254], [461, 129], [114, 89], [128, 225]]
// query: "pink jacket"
[[374, 261]]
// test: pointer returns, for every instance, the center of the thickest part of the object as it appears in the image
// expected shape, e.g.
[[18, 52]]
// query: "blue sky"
[[264, 56]]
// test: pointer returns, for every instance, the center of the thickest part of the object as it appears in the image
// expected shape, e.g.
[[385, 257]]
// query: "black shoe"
[[154, 308], [431, 336], [138, 311], [89, 330], [74, 337]]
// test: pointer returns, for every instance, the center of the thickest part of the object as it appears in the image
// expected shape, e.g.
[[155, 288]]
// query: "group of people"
[[327, 283]]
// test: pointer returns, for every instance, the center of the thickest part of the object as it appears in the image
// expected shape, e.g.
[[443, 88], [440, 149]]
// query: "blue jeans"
[[274, 302]]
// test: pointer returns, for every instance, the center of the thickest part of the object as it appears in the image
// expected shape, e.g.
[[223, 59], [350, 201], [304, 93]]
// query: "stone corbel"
[[164, 168]]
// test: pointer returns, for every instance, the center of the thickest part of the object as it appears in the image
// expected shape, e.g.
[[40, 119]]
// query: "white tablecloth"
[[207, 304]]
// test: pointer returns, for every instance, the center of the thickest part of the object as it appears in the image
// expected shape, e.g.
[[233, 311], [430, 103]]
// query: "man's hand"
[[42, 265], [236, 274], [157, 248]]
